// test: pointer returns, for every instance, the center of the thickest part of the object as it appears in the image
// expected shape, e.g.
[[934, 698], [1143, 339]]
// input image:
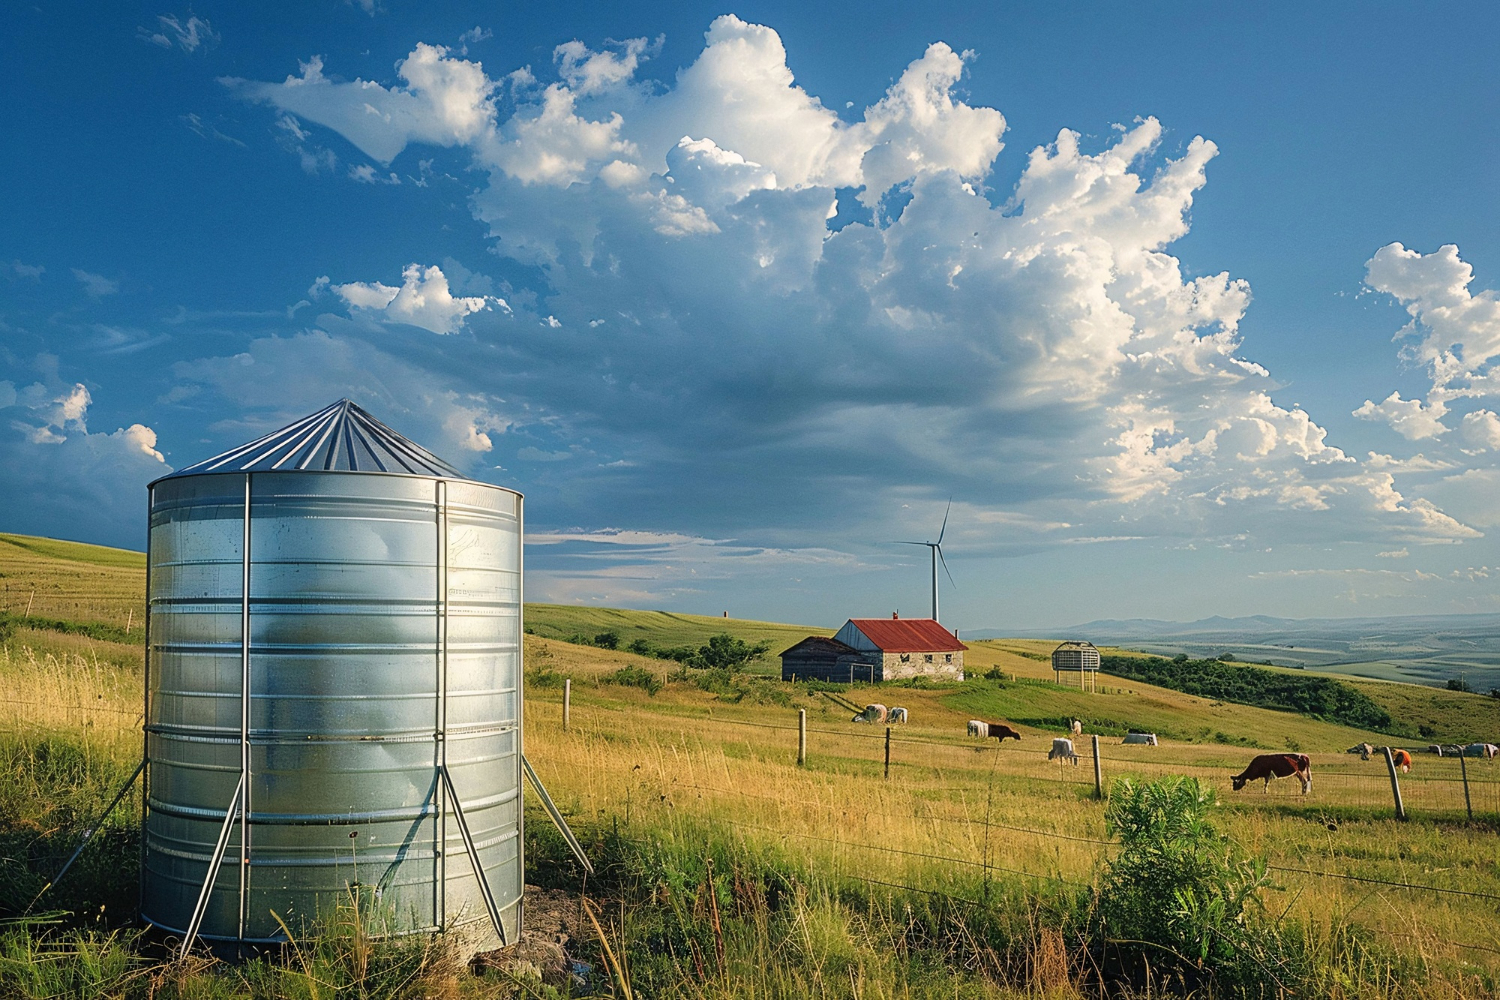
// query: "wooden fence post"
[[888, 753], [1098, 770], [1463, 769], [1390, 764], [801, 737], [567, 701]]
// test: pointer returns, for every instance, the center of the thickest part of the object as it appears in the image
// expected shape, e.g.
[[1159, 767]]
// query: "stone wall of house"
[[939, 666]]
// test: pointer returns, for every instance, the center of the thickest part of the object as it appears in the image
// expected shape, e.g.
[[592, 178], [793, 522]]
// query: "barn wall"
[[833, 671]]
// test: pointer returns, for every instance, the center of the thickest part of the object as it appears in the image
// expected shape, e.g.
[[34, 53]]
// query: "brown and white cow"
[[999, 730], [1276, 765]]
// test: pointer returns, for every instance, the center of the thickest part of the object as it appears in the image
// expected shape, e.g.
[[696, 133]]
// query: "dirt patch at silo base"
[[550, 923]]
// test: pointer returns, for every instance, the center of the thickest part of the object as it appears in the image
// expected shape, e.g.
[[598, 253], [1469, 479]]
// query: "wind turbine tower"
[[936, 549]]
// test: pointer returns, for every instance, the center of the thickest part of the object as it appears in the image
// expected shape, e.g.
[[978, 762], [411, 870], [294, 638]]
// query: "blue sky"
[[1190, 313]]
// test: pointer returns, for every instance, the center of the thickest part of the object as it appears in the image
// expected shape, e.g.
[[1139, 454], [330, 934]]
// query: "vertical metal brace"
[[440, 734], [520, 508], [244, 793], [484, 883], [230, 815], [140, 900]]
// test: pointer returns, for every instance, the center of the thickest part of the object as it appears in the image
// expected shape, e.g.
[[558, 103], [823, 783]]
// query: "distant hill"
[[1424, 649]]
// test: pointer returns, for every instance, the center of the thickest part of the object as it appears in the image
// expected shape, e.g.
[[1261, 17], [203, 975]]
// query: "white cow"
[[1485, 750], [872, 713], [1077, 728], [977, 728], [1063, 748], [898, 715]]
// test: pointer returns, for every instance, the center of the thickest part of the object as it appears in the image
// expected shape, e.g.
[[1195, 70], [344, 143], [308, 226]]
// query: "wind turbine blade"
[[898, 542], [939, 549], [945, 520]]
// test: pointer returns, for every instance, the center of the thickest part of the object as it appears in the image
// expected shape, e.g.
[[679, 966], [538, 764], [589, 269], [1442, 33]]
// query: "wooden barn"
[[821, 659], [878, 649]]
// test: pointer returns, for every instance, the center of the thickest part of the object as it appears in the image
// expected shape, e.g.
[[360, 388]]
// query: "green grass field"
[[728, 870]]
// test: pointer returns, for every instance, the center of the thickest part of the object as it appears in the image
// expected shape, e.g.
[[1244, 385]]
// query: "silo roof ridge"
[[341, 437]]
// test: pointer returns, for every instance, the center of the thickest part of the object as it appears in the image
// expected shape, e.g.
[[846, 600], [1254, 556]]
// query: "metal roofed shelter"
[[905, 647], [333, 689], [1080, 657], [821, 659]]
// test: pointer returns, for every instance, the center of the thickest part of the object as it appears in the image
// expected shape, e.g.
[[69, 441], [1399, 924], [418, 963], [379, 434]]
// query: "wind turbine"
[[937, 555]]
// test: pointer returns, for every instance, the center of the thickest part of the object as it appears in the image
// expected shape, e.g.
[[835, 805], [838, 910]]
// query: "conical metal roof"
[[339, 438]]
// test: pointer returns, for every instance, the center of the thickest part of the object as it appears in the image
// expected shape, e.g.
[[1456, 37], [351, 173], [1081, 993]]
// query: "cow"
[[1276, 765], [999, 730], [1401, 759], [1364, 750], [1077, 728], [872, 713], [1063, 749], [1485, 750], [898, 715]]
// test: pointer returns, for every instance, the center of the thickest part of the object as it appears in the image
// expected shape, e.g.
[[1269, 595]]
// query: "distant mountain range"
[[1427, 649]]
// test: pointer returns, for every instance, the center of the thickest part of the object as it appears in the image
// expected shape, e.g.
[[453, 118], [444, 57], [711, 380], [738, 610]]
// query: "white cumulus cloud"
[[423, 299]]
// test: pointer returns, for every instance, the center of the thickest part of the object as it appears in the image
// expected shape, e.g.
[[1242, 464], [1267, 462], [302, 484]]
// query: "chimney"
[[895, 614]]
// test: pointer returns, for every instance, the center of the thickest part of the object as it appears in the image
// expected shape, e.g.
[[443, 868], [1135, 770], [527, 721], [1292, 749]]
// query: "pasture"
[[996, 839]]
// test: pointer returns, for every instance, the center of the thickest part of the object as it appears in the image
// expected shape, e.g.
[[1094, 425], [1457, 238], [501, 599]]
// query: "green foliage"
[[543, 676], [1322, 697], [10, 621], [1181, 896], [994, 674], [607, 640], [721, 652], [1459, 684], [636, 677], [729, 651]]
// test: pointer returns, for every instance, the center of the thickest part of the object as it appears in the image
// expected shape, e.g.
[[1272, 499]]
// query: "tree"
[[607, 640], [1459, 684], [725, 651]]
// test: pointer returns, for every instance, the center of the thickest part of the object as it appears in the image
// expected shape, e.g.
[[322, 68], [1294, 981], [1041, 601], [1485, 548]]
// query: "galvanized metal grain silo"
[[333, 688]]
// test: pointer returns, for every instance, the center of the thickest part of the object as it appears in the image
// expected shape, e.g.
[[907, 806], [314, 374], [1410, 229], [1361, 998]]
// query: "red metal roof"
[[908, 635]]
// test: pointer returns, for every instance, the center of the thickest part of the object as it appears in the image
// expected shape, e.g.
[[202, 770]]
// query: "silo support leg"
[[484, 884], [213, 868], [89, 833], [557, 817]]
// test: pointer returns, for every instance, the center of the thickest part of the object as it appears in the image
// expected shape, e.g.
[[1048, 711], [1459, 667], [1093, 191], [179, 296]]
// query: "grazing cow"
[[1401, 759], [872, 713], [977, 728], [1364, 750], [1000, 731], [1077, 728], [898, 715], [1276, 765], [1485, 750], [1063, 748]]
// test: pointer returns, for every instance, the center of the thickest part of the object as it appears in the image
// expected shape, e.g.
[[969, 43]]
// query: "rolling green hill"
[[71, 584]]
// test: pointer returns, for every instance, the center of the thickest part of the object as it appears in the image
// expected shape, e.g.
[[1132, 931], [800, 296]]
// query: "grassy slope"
[[96, 584]]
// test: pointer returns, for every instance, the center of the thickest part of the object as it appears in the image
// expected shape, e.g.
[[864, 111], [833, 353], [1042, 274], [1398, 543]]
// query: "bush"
[[1459, 684], [994, 674], [1181, 897], [607, 640], [640, 647], [636, 677]]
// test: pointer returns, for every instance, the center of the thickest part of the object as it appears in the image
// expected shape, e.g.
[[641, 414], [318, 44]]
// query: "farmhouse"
[[878, 649]]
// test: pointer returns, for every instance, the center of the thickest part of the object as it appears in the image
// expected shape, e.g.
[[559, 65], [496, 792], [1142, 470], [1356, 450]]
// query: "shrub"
[[640, 647], [607, 640], [1181, 897], [636, 677], [994, 674], [1459, 684]]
